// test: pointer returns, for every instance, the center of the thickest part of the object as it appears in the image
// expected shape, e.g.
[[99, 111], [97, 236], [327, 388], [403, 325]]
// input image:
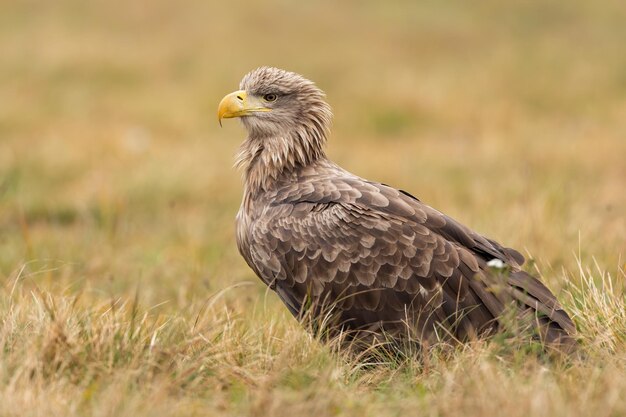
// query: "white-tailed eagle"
[[372, 261]]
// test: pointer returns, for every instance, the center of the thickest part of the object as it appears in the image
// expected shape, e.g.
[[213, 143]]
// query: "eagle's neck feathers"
[[266, 158]]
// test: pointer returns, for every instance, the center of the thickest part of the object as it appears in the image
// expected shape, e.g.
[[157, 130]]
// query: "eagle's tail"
[[534, 307]]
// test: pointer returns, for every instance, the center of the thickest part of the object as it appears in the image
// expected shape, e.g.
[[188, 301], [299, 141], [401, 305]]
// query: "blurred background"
[[114, 174]]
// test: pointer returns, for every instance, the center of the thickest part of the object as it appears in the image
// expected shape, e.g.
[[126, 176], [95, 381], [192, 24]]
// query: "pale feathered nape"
[[292, 135]]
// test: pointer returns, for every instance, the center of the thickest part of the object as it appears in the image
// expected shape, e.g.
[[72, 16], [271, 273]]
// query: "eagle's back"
[[378, 261]]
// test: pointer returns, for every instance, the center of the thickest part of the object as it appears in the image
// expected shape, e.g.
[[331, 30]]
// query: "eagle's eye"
[[270, 97]]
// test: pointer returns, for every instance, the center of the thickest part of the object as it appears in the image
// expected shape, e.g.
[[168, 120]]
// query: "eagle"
[[360, 258]]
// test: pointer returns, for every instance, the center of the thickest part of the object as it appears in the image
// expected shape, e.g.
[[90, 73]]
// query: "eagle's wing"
[[382, 259]]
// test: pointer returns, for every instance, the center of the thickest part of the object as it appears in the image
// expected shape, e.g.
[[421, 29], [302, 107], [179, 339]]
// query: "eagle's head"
[[287, 121], [276, 103]]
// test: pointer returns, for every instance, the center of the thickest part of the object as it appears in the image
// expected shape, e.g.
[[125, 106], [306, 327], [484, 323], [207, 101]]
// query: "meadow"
[[121, 289]]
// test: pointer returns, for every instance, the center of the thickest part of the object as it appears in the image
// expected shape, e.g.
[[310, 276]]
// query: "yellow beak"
[[239, 104]]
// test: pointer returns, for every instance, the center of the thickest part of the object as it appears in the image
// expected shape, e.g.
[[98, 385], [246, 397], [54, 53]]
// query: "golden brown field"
[[122, 290]]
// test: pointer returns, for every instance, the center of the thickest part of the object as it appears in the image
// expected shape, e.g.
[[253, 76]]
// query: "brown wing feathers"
[[377, 254]]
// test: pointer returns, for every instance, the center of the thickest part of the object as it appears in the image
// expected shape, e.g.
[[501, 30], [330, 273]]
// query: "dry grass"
[[123, 293]]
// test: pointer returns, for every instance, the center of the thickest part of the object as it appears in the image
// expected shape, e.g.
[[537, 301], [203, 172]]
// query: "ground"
[[121, 289]]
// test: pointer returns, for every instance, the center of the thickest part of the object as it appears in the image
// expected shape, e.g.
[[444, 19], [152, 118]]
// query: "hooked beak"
[[239, 104]]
